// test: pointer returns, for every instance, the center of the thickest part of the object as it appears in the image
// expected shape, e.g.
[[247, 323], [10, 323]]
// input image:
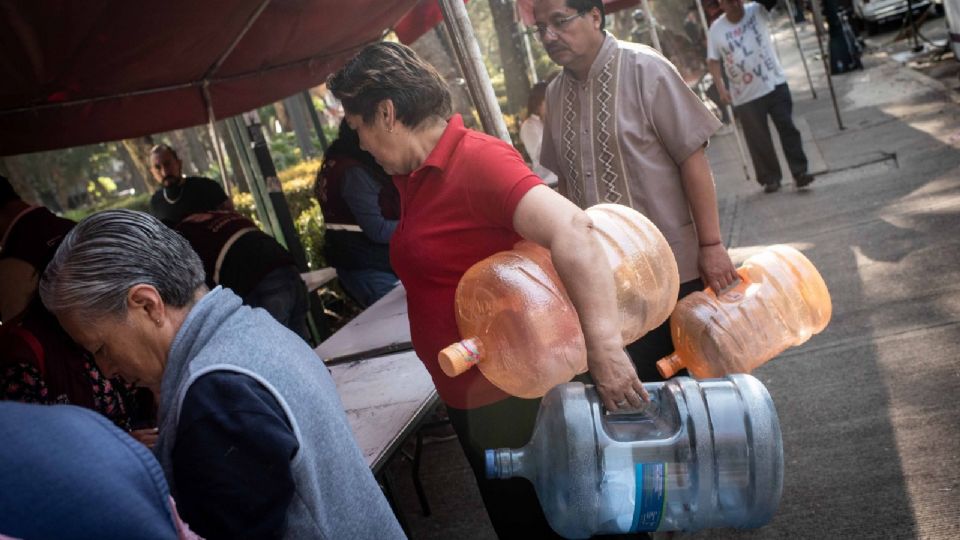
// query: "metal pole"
[[531, 65], [796, 36], [818, 24], [208, 101], [478, 80], [241, 141], [733, 120], [652, 21], [274, 191], [315, 118]]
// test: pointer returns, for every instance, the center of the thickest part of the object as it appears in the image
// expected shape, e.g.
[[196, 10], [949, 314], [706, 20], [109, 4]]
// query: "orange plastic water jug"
[[780, 302], [517, 320]]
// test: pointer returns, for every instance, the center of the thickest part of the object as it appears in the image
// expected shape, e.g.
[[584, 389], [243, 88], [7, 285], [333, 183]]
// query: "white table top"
[[385, 398], [386, 395], [381, 326]]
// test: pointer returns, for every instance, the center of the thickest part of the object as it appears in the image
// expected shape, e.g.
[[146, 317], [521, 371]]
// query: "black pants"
[[512, 504], [657, 343], [753, 117]]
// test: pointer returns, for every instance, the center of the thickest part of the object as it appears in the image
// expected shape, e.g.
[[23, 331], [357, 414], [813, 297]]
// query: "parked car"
[[870, 14]]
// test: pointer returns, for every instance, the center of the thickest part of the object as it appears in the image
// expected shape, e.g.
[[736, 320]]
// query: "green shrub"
[[297, 182], [139, 202]]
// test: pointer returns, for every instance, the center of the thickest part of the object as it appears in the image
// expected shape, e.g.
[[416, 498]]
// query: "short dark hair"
[[386, 70], [347, 144], [537, 94], [583, 6], [7, 193]]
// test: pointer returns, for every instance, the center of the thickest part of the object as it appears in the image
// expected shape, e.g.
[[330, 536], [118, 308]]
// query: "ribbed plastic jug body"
[[518, 324], [644, 268], [781, 301], [703, 454], [520, 321]]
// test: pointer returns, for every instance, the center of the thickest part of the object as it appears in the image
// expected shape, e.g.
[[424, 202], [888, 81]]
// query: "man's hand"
[[616, 380], [716, 269]]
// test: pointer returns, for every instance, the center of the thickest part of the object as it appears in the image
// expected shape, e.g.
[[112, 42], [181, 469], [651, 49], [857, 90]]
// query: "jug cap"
[[459, 357], [668, 366]]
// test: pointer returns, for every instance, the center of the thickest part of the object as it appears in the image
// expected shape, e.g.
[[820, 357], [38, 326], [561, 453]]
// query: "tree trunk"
[[233, 160], [512, 54], [199, 152], [297, 114], [434, 47], [137, 150], [21, 180]]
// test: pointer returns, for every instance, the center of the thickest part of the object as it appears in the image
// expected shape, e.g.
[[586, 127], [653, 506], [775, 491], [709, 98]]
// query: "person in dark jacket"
[[360, 207], [238, 255], [179, 195], [39, 363]]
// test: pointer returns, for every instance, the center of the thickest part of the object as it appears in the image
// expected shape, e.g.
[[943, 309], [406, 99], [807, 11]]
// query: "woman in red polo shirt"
[[464, 196]]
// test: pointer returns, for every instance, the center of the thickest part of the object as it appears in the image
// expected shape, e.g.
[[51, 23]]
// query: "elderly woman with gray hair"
[[253, 438]]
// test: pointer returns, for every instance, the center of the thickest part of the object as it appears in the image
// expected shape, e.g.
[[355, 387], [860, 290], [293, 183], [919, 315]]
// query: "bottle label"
[[651, 480]]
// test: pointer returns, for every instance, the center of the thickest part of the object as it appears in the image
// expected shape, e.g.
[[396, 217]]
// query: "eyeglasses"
[[555, 27]]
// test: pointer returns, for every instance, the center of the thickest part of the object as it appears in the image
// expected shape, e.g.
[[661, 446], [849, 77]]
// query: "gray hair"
[[108, 253]]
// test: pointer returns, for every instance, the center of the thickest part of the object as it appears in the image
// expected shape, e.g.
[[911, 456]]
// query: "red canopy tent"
[[82, 72]]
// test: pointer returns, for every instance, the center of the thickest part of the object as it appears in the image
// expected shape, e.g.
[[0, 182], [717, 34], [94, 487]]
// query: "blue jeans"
[[284, 295], [366, 286]]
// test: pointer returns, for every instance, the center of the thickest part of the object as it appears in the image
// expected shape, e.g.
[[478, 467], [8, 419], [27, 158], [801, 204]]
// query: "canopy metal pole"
[[733, 120], [652, 22], [478, 80], [528, 53], [796, 36], [818, 23], [215, 139]]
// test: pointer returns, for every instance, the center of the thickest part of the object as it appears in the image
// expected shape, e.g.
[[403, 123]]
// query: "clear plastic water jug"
[[780, 302], [703, 454], [517, 320]]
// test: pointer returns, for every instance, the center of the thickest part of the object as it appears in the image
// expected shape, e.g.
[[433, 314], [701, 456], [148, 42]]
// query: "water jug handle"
[[736, 290], [647, 409]]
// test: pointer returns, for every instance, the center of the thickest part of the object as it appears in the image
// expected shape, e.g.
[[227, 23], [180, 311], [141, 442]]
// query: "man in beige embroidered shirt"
[[622, 127]]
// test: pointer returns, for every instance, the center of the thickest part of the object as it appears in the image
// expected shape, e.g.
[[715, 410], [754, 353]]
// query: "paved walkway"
[[870, 409]]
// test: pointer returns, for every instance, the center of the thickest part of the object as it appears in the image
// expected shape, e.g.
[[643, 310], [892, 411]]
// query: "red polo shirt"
[[456, 210]]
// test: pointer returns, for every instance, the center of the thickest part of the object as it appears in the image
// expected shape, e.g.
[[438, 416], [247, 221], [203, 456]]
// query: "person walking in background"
[[740, 39], [623, 127], [360, 207], [253, 439], [465, 196], [531, 131], [179, 195], [238, 255]]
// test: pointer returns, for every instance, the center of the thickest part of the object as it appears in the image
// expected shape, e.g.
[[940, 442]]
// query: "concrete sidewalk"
[[870, 409]]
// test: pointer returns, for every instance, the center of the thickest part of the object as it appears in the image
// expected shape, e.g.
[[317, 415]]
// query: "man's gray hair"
[[110, 252]]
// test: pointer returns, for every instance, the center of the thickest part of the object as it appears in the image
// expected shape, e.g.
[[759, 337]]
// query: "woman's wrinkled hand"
[[616, 380]]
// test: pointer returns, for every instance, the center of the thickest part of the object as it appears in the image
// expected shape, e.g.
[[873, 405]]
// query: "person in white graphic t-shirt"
[[740, 39]]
